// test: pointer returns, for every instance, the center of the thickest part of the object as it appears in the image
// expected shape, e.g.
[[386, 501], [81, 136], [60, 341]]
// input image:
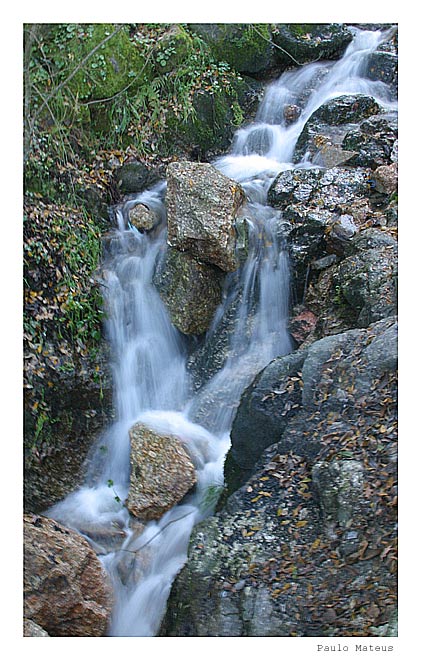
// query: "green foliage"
[[211, 497], [62, 250]]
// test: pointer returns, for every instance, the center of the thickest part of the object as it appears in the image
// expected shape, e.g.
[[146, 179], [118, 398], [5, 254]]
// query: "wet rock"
[[161, 473], [190, 289], [264, 411], [32, 629], [330, 155], [134, 177], [384, 67], [301, 550], [313, 201], [386, 178], [66, 589], [142, 218], [301, 324], [302, 43], [203, 205], [349, 109], [291, 113], [374, 141], [322, 137]]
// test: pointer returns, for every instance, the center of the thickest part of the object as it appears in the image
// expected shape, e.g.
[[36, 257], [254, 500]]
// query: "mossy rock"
[[172, 48], [307, 42], [190, 289], [246, 47], [113, 66], [212, 123]]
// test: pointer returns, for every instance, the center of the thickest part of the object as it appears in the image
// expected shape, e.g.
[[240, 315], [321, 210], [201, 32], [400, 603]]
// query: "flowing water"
[[151, 381]]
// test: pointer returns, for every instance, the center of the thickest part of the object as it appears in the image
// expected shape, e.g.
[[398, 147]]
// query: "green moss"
[[245, 47]]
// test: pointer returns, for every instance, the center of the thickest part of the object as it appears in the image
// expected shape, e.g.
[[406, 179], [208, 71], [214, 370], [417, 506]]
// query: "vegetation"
[[95, 97]]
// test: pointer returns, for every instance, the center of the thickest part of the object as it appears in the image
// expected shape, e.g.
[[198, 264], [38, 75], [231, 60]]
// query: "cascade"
[[151, 380]]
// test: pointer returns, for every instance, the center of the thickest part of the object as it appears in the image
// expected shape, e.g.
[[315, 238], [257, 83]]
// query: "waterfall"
[[149, 355]]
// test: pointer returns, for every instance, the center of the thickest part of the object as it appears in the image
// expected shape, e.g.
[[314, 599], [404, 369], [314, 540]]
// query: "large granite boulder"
[[66, 589], [161, 472], [203, 206], [307, 545]]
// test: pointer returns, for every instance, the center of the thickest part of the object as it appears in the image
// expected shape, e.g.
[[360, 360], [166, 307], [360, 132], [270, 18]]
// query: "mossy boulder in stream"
[[190, 289]]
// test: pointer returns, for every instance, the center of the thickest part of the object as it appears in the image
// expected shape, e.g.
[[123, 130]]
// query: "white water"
[[149, 355]]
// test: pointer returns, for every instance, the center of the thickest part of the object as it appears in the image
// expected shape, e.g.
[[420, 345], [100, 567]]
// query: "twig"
[[269, 41], [157, 534]]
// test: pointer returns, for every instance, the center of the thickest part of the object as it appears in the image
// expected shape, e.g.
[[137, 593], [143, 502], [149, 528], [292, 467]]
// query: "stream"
[[149, 356]]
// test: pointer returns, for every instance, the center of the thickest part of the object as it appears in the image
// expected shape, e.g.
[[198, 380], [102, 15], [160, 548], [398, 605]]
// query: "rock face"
[[331, 123], [202, 208], [312, 201], [161, 473], [31, 629], [66, 590], [81, 405], [190, 289], [307, 545]]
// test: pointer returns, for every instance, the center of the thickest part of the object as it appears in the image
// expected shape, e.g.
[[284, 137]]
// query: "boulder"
[[133, 177], [300, 43], [66, 589], [203, 205], [264, 411], [374, 140], [324, 132], [245, 46], [190, 289], [307, 545], [161, 473], [143, 218]]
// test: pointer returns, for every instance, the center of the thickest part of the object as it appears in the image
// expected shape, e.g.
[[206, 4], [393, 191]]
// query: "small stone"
[[291, 113], [386, 179], [142, 218]]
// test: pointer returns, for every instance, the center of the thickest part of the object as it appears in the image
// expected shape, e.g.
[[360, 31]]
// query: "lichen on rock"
[[161, 473]]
